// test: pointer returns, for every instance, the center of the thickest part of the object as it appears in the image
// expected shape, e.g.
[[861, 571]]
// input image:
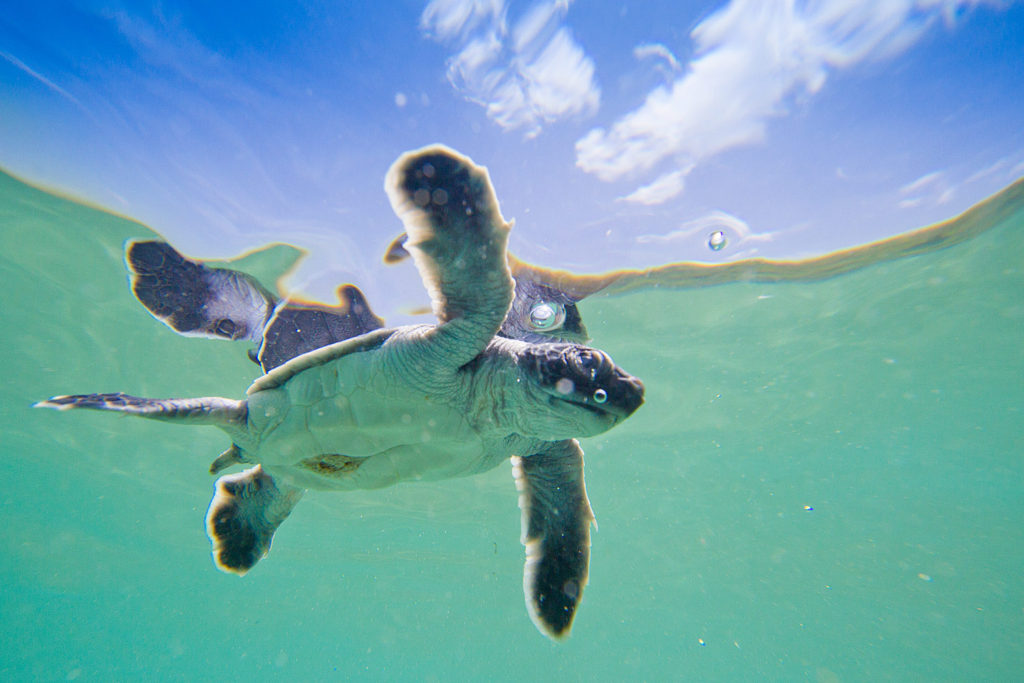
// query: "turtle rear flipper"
[[556, 533], [245, 512], [194, 299]]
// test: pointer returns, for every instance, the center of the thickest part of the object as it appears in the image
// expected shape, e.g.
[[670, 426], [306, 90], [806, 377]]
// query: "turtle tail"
[[222, 412]]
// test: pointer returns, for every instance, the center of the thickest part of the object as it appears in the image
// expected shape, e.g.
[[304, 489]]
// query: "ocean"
[[826, 483]]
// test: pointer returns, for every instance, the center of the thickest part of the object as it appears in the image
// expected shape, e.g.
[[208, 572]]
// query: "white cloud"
[[928, 179], [666, 62], [17, 63], [526, 76], [661, 190], [736, 230], [935, 187], [448, 19], [754, 57]]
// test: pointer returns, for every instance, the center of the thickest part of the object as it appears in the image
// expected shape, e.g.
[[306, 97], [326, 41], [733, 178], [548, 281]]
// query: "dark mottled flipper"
[[222, 412], [245, 512], [556, 533], [297, 328], [458, 239], [195, 300]]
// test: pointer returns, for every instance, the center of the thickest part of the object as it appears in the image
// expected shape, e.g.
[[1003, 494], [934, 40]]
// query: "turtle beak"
[[624, 395]]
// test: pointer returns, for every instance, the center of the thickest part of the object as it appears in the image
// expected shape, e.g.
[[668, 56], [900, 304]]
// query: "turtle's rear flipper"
[[194, 299], [556, 533], [243, 516]]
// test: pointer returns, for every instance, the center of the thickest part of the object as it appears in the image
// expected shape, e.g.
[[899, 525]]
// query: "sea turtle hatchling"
[[421, 402]]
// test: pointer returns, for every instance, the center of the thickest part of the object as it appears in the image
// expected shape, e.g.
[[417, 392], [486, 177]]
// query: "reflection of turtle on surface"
[[198, 300], [422, 401]]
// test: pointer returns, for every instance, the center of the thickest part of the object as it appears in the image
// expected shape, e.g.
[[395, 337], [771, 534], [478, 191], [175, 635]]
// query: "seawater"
[[826, 483]]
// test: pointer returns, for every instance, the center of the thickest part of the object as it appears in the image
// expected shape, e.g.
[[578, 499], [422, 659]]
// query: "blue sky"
[[616, 133]]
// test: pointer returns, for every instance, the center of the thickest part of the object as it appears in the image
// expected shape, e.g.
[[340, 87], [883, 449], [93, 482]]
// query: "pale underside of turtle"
[[421, 402]]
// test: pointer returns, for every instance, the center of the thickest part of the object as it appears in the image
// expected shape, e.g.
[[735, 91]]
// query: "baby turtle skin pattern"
[[421, 402]]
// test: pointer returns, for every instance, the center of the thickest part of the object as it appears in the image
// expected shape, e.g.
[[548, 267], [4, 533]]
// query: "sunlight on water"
[[824, 484]]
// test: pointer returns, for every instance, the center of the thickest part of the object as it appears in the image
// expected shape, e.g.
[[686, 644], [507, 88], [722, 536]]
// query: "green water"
[[889, 400]]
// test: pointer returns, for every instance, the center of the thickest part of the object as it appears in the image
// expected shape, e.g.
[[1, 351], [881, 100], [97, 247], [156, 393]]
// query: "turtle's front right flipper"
[[556, 533], [245, 512], [194, 299], [458, 239]]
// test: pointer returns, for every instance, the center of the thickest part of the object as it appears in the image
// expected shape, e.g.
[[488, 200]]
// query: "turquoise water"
[[826, 483]]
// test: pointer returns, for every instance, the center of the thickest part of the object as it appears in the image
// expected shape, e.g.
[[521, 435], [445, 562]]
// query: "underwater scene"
[[825, 483]]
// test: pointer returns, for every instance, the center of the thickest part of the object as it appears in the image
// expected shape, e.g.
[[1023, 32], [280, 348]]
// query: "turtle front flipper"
[[540, 312], [245, 512], [556, 533], [195, 300], [458, 240]]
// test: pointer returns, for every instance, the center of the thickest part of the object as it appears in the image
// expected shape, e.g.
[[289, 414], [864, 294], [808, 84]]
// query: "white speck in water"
[[401, 100], [565, 386], [924, 577], [716, 241]]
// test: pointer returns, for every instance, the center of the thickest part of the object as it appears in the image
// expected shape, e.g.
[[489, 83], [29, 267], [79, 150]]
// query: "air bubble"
[[600, 396], [547, 316], [716, 241]]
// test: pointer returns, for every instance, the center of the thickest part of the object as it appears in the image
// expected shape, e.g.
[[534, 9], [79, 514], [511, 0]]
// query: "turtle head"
[[583, 391]]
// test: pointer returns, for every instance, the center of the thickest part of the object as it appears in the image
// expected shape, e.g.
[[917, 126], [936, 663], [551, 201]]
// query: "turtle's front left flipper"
[[243, 516], [194, 299], [556, 533], [226, 413]]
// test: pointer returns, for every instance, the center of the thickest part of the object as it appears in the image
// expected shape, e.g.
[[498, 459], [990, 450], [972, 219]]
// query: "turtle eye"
[[547, 315], [225, 328]]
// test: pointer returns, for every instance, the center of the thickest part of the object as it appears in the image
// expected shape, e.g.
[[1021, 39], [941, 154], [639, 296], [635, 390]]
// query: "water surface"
[[824, 484]]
